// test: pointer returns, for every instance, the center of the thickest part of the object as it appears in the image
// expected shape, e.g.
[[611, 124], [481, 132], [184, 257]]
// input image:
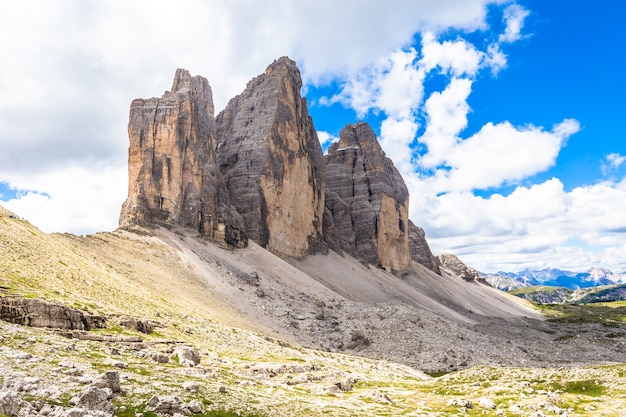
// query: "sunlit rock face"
[[173, 174]]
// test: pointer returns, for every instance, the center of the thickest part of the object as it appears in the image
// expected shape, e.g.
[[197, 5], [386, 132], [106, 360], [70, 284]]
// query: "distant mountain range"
[[560, 295], [595, 277]]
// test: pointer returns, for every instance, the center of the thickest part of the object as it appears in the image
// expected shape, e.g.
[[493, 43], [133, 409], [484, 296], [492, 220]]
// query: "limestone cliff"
[[272, 162], [367, 201], [420, 251], [172, 168], [257, 171]]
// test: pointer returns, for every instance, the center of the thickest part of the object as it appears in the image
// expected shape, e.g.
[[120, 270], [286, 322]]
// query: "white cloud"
[[495, 59], [71, 199], [326, 138], [612, 162], [514, 16], [393, 85], [75, 67], [396, 137], [615, 159], [501, 153], [538, 226], [455, 57], [446, 115]]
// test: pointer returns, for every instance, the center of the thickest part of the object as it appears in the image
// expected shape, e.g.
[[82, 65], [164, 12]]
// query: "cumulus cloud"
[[457, 57], [501, 153], [612, 162], [446, 115], [560, 229], [75, 67], [514, 16], [76, 199]]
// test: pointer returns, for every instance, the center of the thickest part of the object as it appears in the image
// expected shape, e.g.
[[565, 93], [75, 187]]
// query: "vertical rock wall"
[[271, 159], [172, 167], [367, 200]]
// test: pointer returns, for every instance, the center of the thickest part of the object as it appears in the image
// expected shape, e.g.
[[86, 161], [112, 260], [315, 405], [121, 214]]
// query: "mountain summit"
[[256, 171], [173, 177]]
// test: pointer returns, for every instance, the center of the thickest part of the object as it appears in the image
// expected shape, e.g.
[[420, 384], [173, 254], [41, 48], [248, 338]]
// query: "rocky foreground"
[[215, 368], [153, 306]]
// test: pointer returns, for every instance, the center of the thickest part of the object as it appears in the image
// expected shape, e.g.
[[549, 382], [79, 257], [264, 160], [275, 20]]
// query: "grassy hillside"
[[607, 313], [243, 372]]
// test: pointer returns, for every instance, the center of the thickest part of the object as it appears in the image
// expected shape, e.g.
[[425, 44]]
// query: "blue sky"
[[504, 117]]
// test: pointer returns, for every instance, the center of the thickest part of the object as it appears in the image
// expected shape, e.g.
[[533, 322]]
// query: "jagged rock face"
[[420, 251], [367, 200], [272, 162], [172, 167], [458, 268]]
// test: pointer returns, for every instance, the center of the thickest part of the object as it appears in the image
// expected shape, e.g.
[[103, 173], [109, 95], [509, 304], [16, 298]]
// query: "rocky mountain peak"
[[173, 174], [257, 171], [366, 200], [271, 159], [286, 65], [420, 250]]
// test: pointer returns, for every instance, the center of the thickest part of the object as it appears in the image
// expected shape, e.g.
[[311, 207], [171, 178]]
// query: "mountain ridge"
[[256, 171], [593, 277]]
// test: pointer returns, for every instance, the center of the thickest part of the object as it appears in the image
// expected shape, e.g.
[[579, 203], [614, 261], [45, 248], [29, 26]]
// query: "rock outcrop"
[[38, 313], [172, 168], [455, 266], [271, 159], [420, 251], [367, 201]]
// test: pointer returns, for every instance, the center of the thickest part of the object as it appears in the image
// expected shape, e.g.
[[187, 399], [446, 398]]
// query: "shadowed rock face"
[[172, 167], [420, 251], [271, 159], [367, 201]]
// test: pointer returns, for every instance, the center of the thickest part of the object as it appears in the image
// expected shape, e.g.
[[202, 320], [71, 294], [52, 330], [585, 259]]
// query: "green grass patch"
[[584, 313], [589, 387], [227, 413], [537, 288]]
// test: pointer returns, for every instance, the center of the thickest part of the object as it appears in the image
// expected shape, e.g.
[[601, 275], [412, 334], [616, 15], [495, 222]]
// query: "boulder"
[[168, 404], [96, 399], [187, 356], [9, 403], [110, 380]]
